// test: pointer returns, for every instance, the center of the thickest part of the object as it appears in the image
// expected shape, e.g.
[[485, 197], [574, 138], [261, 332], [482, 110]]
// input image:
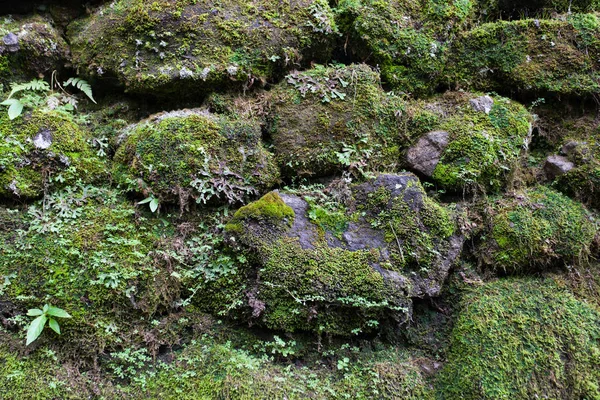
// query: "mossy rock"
[[330, 119], [194, 155], [536, 228], [484, 137], [173, 47], [30, 47], [546, 56], [40, 151], [408, 40], [580, 144], [327, 269], [89, 252], [522, 339]]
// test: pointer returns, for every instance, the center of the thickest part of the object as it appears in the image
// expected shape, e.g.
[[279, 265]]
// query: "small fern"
[[36, 85], [82, 85]]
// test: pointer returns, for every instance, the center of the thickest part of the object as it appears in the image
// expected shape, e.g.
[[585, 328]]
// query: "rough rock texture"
[[195, 155], [481, 148], [327, 120], [30, 47], [557, 166], [425, 155], [536, 229], [170, 46], [331, 270], [41, 151]]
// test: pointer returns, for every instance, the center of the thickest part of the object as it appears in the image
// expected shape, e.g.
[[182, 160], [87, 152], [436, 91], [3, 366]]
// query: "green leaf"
[[15, 110], [81, 85], [34, 312], [58, 312], [45, 309], [147, 200], [54, 325], [35, 328], [154, 205]]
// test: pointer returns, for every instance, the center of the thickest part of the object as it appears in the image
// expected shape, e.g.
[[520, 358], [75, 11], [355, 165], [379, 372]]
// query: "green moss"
[[416, 232], [409, 40], [195, 155], [482, 148], [26, 171], [41, 48], [85, 250], [269, 208], [522, 339], [330, 119], [555, 56], [167, 46], [537, 228], [328, 290]]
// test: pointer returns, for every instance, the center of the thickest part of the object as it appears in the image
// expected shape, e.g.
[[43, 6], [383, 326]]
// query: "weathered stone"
[[425, 155], [43, 139], [396, 245], [482, 104], [11, 41], [557, 165]]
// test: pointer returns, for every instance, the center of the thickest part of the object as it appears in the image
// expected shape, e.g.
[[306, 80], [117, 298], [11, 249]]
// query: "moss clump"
[[335, 118], [409, 40], [537, 228], [269, 208], [168, 46], [522, 339], [193, 154], [327, 290], [85, 250], [41, 151], [483, 148], [532, 56], [416, 228], [40, 48]]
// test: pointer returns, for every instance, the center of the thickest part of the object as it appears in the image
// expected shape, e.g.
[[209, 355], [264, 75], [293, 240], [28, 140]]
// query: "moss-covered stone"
[[168, 46], [330, 119], [535, 229], [483, 145], [407, 39], [40, 151], [30, 47], [350, 273], [522, 339], [194, 154], [87, 251], [556, 56]]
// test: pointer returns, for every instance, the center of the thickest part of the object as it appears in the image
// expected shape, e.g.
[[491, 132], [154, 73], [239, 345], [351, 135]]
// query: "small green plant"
[[40, 94], [153, 203], [48, 313]]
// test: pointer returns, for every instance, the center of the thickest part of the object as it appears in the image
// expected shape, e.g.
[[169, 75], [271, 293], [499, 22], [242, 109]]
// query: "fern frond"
[[82, 85], [38, 85]]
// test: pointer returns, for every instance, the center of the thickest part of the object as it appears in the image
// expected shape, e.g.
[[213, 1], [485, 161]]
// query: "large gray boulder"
[[336, 268]]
